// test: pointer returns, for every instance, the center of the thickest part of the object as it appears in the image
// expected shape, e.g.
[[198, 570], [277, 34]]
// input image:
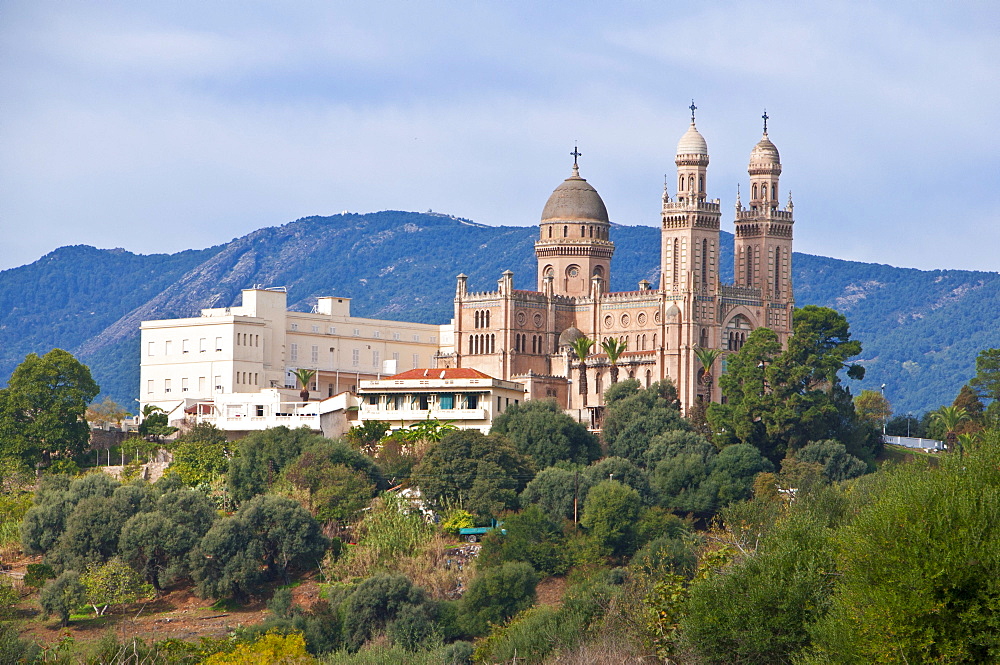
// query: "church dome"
[[575, 200], [765, 152], [569, 336], [692, 143]]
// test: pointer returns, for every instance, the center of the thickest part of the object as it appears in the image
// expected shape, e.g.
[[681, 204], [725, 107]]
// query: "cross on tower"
[[693, 109], [576, 153], [765, 116]]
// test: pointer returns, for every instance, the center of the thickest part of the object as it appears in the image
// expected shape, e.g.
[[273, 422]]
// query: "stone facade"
[[525, 336]]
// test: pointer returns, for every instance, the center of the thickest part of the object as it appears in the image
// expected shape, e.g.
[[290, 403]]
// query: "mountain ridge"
[[920, 329]]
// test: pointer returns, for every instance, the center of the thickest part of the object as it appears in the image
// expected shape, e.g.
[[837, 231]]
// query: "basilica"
[[526, 336], [237, 367]]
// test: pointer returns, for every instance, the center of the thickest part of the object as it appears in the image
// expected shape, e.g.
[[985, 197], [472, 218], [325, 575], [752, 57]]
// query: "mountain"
[[921, 330]]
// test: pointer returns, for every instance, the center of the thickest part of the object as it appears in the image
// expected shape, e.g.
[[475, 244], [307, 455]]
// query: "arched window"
[[754, 191], [677, 261], [703, 341], [487, 318], [680, 184], [565, 232], [476, 317], [598, 384], [550, 231], [704, 263], [774, 192], [763, 191], [749, 266], [583, 231], [654, 341], [649, 378], [701, 183], [493, 343]]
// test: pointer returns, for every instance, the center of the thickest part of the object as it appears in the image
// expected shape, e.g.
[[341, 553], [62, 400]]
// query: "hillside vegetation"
[[921, 330]]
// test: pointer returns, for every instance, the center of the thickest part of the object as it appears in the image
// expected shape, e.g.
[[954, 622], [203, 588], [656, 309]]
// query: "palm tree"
[[614, 347], [304, 376], [707, 359], [950, 417], [581, 347]]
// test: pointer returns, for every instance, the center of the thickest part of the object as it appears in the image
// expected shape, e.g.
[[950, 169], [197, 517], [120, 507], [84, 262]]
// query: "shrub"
[[497, 594], [62, 595]]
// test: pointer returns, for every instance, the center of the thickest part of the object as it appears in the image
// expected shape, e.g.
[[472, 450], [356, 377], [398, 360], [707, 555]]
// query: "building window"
[[704, 263], [218, 343], [294, 354], [218, 384], [185, 346], [202, 344], [395, 355], [167, 347], [315, 329], [314, 354], [201, 384], [395, 337], [357, 332], [355, 357], [416, 361], [149, 386], [434, 339], [377, 334], [376, 357], [149, 349], [446, 401], [184, 385], [295, 326], [166, 385], [416, 338]]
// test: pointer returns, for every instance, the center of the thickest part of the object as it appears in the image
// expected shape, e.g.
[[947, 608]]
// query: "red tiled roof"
[[441, 373]]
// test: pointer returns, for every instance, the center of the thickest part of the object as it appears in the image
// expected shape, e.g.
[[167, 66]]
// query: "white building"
[[465, 396], [239, 360]]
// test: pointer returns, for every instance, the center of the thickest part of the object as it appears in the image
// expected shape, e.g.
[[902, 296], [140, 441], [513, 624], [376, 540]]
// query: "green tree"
[[918, 567], [473, 470], [780, 400], [377, 602], [634, 416], [836, 463], [43, 406], [759, 608], [614, 348], [63, 595], [155, 425], [611, 516], [707, 358], [987, 379], [228, 562], [581, 349], [873, 408], [336, 479], [554, 489], [541, 431], [366, 436], [289, 537], [304, 376], [113, 583], [497, 594], [260, 457], [949, 419], [528, 536], [157, 547]]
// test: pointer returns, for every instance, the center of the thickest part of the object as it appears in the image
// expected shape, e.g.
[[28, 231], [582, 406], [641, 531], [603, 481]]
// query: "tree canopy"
[[43, 407], [540, 430]]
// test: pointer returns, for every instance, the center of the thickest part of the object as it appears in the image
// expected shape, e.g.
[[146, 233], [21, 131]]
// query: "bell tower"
[[689, 235], [574, 246], [763, 248]]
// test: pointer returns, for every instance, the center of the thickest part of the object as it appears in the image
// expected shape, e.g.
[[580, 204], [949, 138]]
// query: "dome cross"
[[693, 109], [765, 116]]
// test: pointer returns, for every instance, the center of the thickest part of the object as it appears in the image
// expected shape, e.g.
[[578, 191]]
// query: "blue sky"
[[164, 126]]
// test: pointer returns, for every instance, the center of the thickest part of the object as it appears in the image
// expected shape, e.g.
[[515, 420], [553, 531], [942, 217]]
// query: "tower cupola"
[[692, 163], [764, 170], [574, 244]]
